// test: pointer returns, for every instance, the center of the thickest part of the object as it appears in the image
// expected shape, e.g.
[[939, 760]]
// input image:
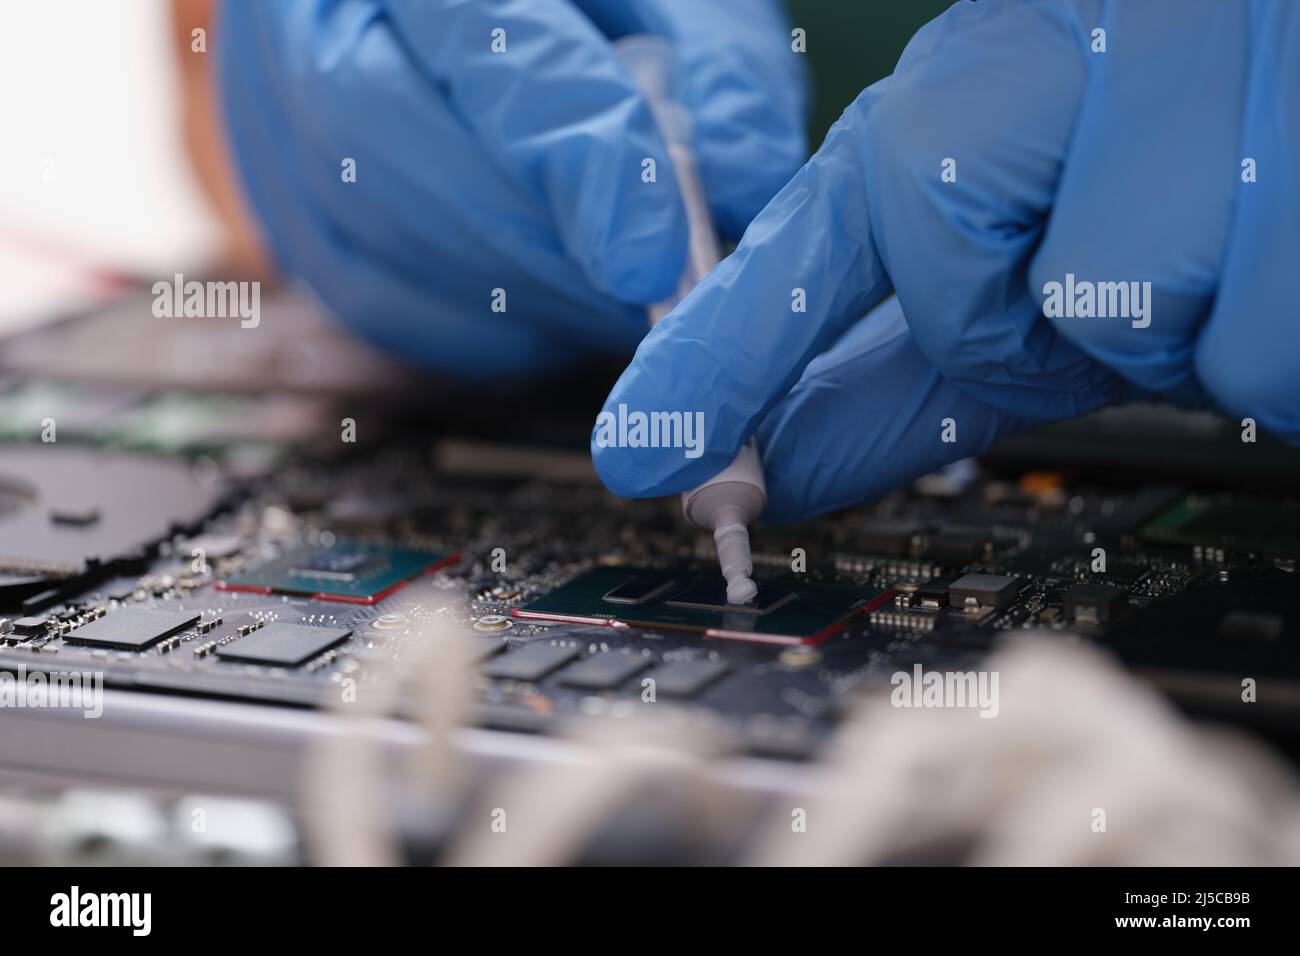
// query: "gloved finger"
[[746, 88], [805, 271], [965, 143], [412, 156], [869, 415], [545, 92], [1248, 354], [1140, 225]]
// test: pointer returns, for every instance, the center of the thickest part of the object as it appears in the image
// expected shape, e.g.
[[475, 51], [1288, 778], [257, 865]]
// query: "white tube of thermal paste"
[[734, 498]]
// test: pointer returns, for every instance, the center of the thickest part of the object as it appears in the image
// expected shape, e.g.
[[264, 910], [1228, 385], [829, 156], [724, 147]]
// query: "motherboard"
[[171, 571], [281, 524]]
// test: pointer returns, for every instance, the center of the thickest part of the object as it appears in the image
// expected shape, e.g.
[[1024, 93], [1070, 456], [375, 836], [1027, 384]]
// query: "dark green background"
[[851, 44]]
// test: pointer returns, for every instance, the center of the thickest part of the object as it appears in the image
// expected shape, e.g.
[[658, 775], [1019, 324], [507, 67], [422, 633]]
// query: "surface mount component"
[[345, 571], [530, 663], [686, 678], [788, 610], [983, 590], [130, 628], [1229, 521], [1093, 603], [283, 645], [896, 537], [933, 593], [604, 671]]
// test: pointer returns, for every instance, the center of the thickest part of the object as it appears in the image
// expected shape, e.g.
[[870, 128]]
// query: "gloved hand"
[[1116, 166], [518, 170]]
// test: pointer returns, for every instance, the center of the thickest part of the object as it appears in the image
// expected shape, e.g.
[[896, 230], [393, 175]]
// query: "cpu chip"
[[345, 571], [789, 610]]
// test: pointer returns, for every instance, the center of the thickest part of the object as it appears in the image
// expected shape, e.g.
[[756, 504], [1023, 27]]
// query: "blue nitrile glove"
[[1123, 165], [519, 170]]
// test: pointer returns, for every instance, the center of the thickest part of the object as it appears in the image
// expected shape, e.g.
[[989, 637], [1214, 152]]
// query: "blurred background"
[[114, 168]]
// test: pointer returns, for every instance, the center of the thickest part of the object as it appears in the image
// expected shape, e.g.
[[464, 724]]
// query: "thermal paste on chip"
[[130, 628], [283, 645], [711, 595]]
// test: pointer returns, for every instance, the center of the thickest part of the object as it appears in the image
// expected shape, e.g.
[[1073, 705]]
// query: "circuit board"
[[918, 585], [284, 583]]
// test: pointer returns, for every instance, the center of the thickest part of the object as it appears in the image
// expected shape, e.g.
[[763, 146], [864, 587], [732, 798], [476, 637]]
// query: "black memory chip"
[[687, 678], [892, 536], [283, 645], [530, 663], [130, 628], [604, 671]]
